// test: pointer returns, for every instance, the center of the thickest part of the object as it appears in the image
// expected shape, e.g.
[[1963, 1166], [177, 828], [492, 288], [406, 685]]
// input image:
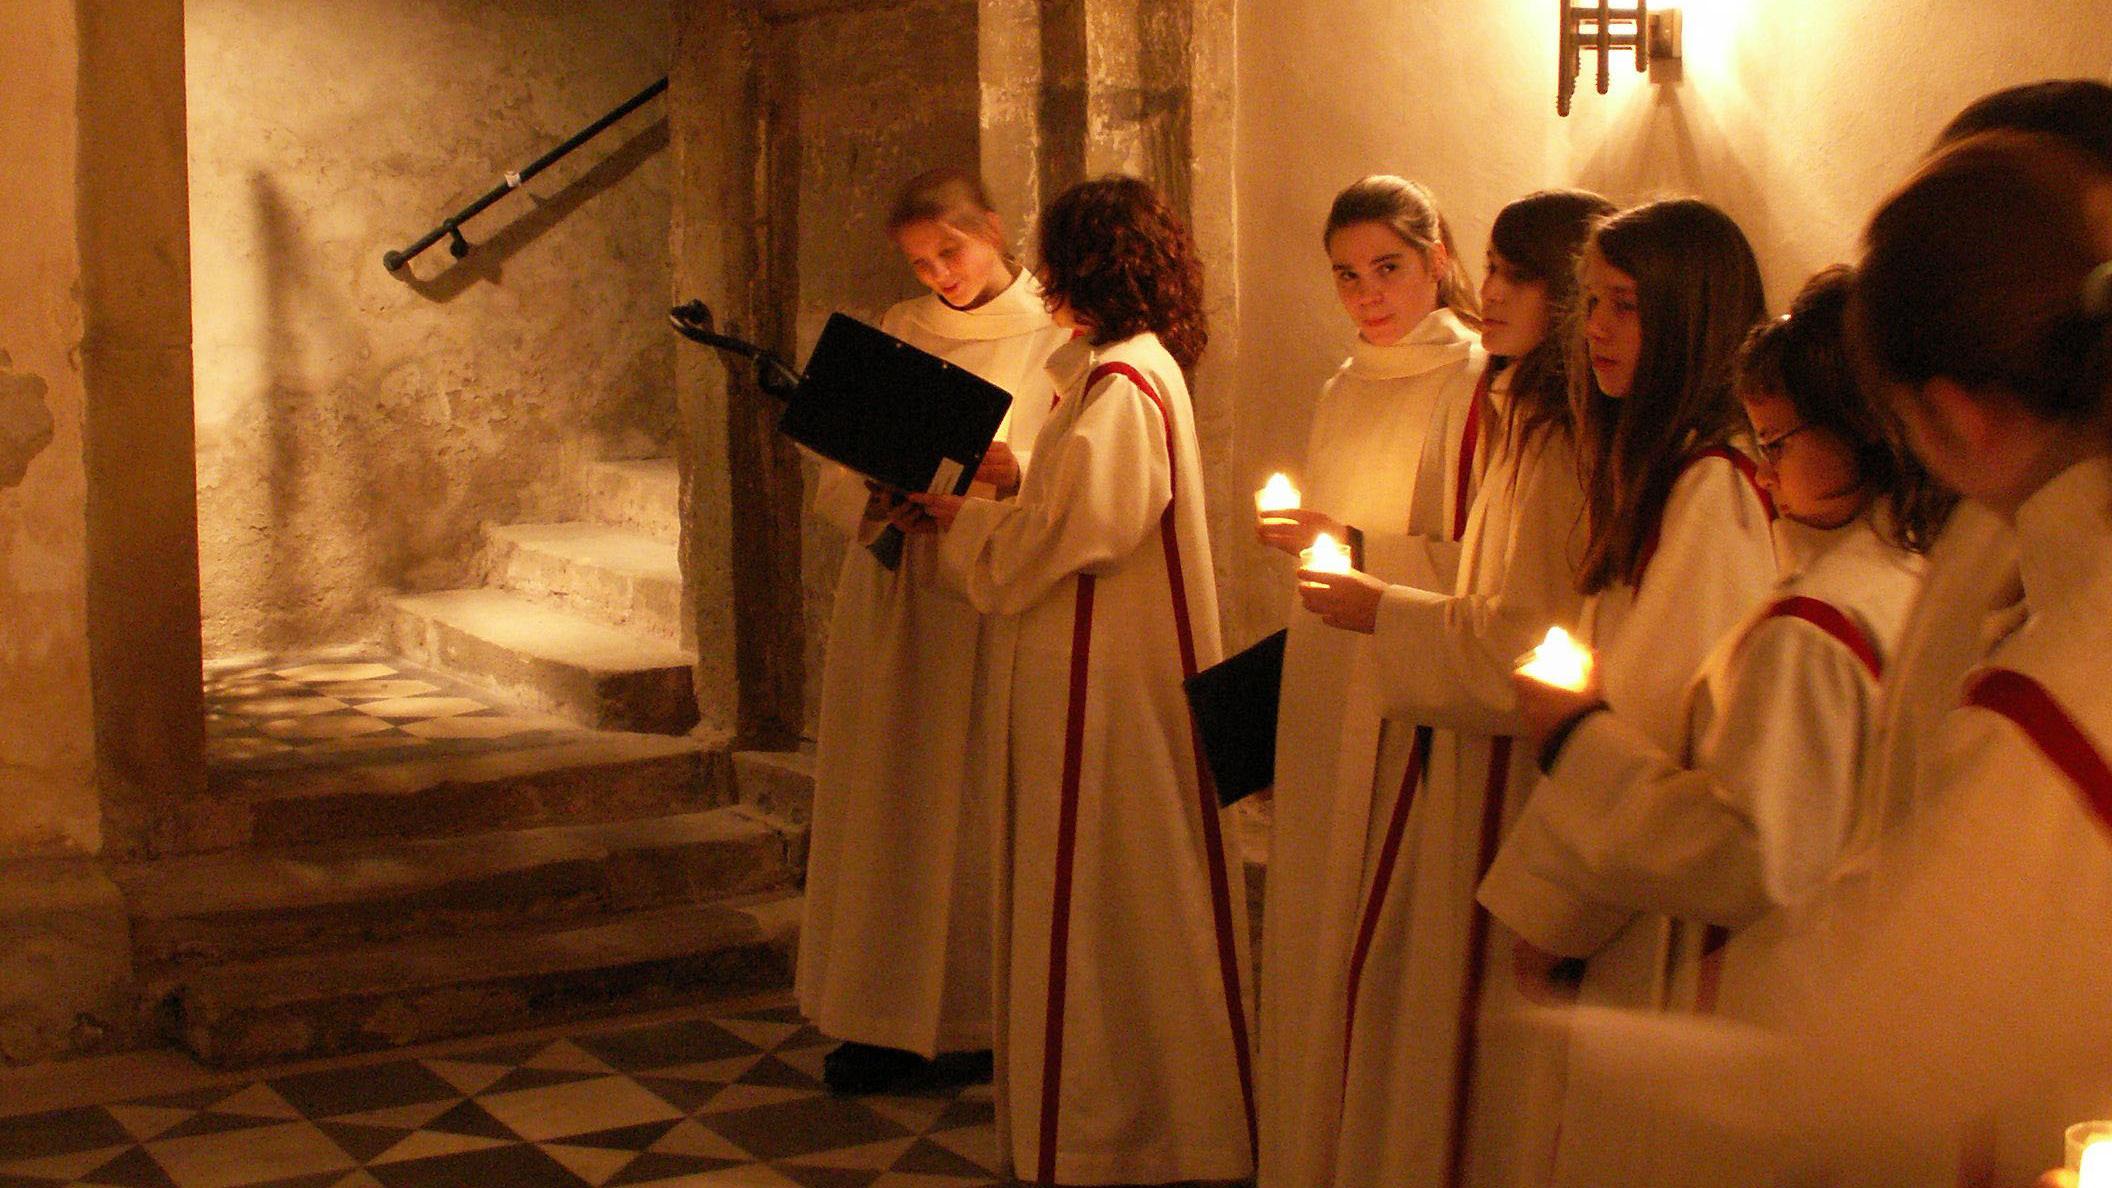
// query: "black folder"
[[900, 416], [1234, 704]]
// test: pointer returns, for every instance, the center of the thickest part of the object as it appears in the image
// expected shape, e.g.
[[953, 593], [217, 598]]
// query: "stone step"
[[548, 659], [610, 574], [247, 905], [644, 495], [780, 783], [382, 996], [583, 779]]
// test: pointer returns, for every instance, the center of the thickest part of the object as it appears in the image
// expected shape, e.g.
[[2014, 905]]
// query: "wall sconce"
[[1603, 27]]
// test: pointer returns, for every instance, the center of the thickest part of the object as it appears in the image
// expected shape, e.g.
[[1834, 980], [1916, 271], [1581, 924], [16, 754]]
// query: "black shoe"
[[962, 1068], [855, 1068]]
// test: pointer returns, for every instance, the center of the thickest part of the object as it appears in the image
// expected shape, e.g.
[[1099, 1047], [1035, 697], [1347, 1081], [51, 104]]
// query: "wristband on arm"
[[1551, 750]]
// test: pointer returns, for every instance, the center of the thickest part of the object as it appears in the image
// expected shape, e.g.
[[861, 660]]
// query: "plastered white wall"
[[1796, 116]]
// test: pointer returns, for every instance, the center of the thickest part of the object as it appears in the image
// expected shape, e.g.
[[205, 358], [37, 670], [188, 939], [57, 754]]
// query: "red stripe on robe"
[[2027, 703], [1745, 467]]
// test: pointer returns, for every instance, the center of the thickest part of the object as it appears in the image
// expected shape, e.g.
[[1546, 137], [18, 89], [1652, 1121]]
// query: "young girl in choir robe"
[[1973, 587], [895, 949], [1406, 964], [1750, 816], [1677, 553], [1390, 424], [1122, 1042], [1965, 1021]]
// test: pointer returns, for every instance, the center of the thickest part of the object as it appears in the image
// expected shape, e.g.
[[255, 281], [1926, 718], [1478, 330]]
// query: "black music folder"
[[1234, 704], [900, 416]]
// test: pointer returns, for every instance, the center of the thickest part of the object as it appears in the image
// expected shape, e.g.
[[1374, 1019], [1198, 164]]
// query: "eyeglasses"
[[1771, 448]]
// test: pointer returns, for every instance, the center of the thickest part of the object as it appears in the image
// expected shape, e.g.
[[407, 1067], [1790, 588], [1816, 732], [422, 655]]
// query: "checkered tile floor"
[[354, 705], [733, 1101]]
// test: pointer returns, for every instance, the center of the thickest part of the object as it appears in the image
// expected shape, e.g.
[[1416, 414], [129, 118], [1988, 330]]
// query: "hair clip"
[[2097, 291]]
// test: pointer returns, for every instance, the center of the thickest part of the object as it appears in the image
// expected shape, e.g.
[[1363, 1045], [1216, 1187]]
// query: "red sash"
[[2033, 709], [1066, 836], [1746, 468]]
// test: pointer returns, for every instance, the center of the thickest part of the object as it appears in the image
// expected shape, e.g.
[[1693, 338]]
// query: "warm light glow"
[[2096, 1169], [1326, 556], [1276, 495], [1561, 661]]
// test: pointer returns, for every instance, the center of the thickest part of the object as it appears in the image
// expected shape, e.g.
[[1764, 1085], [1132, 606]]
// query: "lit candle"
[[1326, 556], [1276, 495], [1559, 660], [2096, 1169]]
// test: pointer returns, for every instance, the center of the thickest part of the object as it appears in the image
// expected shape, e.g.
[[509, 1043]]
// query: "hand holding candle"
[[1330, 587], [1282, 522], [1554, 682], [1559, 660]]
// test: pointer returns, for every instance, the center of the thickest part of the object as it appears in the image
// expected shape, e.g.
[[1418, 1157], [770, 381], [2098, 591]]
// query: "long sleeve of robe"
[[1713, 565]]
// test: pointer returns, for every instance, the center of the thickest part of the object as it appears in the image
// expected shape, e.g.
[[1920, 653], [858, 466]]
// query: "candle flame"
[[1326, 556], [2095, 1170], [1559, 660], [1276, 495]]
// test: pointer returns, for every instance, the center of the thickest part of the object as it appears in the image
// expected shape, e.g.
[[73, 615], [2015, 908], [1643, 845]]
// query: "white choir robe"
[[1713, 562], [1444, 1085], [1966, 1025], [895, 946], [1752, 813], [1969, 600], [1384, 457], [1122, 1051]]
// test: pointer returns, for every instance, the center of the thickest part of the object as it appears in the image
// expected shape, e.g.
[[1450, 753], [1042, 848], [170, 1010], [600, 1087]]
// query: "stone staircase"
[[388, 928], [582, 619], [312, 910]]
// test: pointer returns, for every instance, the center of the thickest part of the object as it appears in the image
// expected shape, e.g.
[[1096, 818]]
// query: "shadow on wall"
[[303, 440], [487, 258], [1667, 144], [25, 422]]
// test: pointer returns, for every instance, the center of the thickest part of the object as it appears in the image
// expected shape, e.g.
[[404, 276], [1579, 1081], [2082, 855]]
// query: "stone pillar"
[[740, 547], [100, 702], [143, 617]]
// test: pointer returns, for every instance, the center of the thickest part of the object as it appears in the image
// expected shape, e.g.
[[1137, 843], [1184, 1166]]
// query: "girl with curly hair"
[[1122, 1037], [894, 950]]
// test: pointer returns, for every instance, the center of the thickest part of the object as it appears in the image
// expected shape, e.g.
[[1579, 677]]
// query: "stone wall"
[[355, 429], [1796, 116], [47, 736]]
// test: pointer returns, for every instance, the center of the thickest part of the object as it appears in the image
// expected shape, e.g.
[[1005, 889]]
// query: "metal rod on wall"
[[450, 228]]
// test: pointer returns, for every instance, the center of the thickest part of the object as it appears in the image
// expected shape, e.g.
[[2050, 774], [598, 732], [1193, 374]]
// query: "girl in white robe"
[[895, 947], [1421, 1045], [1678, 552], [1122, 1046], [1391, 466], [1967, 1019]]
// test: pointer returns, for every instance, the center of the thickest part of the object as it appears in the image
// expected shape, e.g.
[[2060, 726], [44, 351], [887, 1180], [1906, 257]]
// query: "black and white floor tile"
[[732, 1100], [354, 705]]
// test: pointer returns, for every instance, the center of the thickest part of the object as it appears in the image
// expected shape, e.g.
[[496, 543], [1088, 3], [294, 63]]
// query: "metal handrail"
[[450, 228]]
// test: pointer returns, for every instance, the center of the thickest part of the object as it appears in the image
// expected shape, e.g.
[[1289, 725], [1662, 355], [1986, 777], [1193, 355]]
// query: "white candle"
[[2096, 1169], [1559, 660], [1276, 495], [1326, 556]]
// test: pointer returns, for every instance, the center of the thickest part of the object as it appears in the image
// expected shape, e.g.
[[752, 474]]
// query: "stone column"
[[740, 545], [143, 616]]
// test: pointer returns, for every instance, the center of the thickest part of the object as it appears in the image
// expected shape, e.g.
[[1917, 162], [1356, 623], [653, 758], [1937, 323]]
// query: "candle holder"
[[2089, 1153], [1326, 556], [1276, 495], [1559, 661]]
